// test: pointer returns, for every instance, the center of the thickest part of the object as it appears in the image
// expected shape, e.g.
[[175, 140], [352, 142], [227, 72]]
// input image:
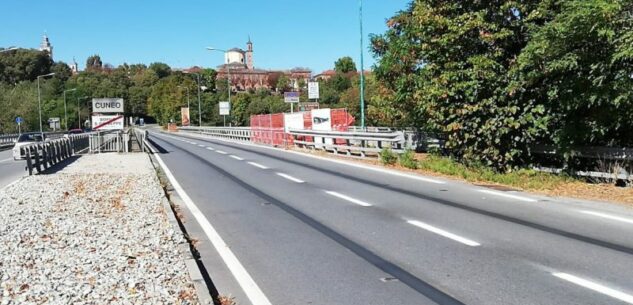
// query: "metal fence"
[[40, 156], [7, 140], [109, 141], [360, 143], [231, 133]]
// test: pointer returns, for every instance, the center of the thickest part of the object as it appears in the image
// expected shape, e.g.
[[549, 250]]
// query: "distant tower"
[[46, 46], [249, 54], [74, 67]]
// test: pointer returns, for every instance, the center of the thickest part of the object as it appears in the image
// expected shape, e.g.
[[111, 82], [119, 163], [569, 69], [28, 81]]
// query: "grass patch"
[[407, 159], [388, 157], [524, 179]]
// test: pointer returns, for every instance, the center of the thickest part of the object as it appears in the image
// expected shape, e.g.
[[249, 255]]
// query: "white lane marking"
[[252, 290], [221, 152], [236, 157], [350, 199], [520, 198], [201, 145], [607, 216], [357, 165], [446, 234], [193, 143], [595, 287], [5, 160], [291, 178], [210, 148], [257, 165]]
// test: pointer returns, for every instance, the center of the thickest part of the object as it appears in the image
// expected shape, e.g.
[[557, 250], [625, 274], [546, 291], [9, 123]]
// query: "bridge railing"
[[351, 143], [231, 133], [7, 140], [40, 156]]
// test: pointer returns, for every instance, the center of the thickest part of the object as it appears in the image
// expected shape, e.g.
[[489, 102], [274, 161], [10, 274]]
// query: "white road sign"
[[107, 122], [291, 97], [225, 108], [313, 90], [107, 105]]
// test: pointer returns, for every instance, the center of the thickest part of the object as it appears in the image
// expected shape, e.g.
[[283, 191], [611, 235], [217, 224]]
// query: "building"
[[74, 67], [245, 76], [45, 45], [325, 75]]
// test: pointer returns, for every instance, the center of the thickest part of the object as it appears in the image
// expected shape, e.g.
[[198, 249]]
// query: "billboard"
[[107, 122], [313, 90], [225, 108], [291, 97], [107, 105], [322, 120], [185, 119]]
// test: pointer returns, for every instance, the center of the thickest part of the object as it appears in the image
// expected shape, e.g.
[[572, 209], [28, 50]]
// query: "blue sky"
[[285, 33]]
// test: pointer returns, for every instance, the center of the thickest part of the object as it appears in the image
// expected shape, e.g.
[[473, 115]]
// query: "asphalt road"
[[10, 170], [312, 231]]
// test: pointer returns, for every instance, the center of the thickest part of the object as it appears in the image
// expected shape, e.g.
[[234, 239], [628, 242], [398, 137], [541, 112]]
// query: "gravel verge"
[[91, 234]]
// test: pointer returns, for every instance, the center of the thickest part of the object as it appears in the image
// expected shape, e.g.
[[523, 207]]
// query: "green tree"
[[23, 65], [345, 65], [94, 63], [161, 69]]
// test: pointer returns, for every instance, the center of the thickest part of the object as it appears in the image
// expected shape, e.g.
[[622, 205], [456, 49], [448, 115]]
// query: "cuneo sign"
[[107, 105]]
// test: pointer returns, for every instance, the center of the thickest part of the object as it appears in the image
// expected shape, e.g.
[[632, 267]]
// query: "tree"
[[161, 69], [345, 65], [23, 65], [62, 71], [94, 63], [283, 83]]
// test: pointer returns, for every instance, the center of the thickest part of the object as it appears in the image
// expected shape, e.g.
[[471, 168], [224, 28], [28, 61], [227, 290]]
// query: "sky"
[[285, 33]]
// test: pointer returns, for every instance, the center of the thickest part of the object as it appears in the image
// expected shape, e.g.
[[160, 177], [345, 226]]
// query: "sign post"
[[19, 121], [292, 98], [54, 123], [225, 109]]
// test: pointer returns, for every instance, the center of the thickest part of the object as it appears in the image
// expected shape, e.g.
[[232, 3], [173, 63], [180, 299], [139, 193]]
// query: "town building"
[[45, 45]]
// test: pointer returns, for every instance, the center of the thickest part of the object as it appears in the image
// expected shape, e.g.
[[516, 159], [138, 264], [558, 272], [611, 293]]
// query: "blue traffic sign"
[[19, 120]]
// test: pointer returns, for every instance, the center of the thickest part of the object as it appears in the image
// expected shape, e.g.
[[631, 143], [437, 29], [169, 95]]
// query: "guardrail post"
[[29, 162]]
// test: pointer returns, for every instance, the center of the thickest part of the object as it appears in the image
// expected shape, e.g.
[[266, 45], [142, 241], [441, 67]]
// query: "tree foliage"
[[345, 65]]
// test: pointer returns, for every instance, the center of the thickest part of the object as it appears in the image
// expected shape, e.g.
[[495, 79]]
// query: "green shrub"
[[388, 157], [407, 159]]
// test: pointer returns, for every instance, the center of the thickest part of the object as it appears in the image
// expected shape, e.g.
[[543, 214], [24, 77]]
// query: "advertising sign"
[[313, 90], [184, 115], [293, 121], [107, 105], [322, 120], [107, 122], [291, 97], [225, 108]]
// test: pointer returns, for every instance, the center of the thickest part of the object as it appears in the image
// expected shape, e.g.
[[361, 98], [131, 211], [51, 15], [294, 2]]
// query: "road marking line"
[[291, 178], [246, 282], [5, 160], [521, 198], [210, 148], [193, 143], [622, 219], [446, 234], [257, 165], [221, 152], [350, 199], [236, 157], [201, 145], [595, 287]]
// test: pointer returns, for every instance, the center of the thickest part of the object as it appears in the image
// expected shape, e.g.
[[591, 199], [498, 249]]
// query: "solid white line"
[[350, 199], [5, 160], [252, 290], [291, 178], [221, 152], [607, 216], [520, 198], [595, 287], [210, 148], [257, 165], [236, 157], [446, 234]]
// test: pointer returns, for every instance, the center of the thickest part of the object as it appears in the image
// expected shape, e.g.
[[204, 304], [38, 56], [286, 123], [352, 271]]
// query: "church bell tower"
[[249, 54]]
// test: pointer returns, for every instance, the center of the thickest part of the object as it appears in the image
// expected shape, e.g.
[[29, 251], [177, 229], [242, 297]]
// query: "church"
[[245, 76]]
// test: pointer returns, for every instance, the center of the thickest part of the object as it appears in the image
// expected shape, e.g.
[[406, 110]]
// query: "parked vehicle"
[[24, 140]]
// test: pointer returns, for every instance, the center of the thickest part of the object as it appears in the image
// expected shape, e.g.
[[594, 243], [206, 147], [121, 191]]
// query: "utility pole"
[[362, 69]]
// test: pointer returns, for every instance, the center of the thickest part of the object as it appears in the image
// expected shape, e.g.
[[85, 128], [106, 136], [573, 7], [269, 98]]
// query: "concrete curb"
[[202, 291]]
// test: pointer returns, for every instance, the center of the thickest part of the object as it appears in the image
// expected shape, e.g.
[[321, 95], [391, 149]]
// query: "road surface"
[[302, 230], [10, 170]]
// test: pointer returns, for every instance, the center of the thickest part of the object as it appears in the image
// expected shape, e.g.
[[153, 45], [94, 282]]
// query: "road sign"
[[291, 97], [225, 108], [107, 122], [313, 90], [19, 120], [107, 105], [54, 123]]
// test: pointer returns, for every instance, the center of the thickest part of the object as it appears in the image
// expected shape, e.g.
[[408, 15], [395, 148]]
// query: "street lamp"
[[65, 111], [228, 76], [186, 87], [9, 49], [79, 110], [39, 99], [362, 69], [199, 107]]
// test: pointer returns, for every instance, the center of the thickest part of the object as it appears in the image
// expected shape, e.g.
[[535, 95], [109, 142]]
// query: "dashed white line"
[[221, 152], [243, 278], [210, 148], [236, 157], [595, 287], [257, 165], [520, 198], [347, 198], [193, 143], [291, 178], [607, 216], [446, 234], [201, 145]]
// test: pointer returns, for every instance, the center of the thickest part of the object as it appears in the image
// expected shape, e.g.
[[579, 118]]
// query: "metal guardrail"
[[109, 141], [41, 156], [231, 133], [140, 135], [8, 139], [361, 142]]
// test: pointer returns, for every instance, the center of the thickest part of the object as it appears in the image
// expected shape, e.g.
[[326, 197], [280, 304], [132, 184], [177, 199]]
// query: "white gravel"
[[91, 234]]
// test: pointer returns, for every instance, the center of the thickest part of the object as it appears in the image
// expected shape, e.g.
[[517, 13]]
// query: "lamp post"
[[362, 69], [39, 100], [228, 76], [199, 107], [65, 111], [79, 110], [186, 87]]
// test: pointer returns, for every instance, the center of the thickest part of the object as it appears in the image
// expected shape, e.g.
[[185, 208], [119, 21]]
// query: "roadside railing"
[[350, 143], [8, 139], [140, 135], [231, 133], [41, 156], [109, 141]]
